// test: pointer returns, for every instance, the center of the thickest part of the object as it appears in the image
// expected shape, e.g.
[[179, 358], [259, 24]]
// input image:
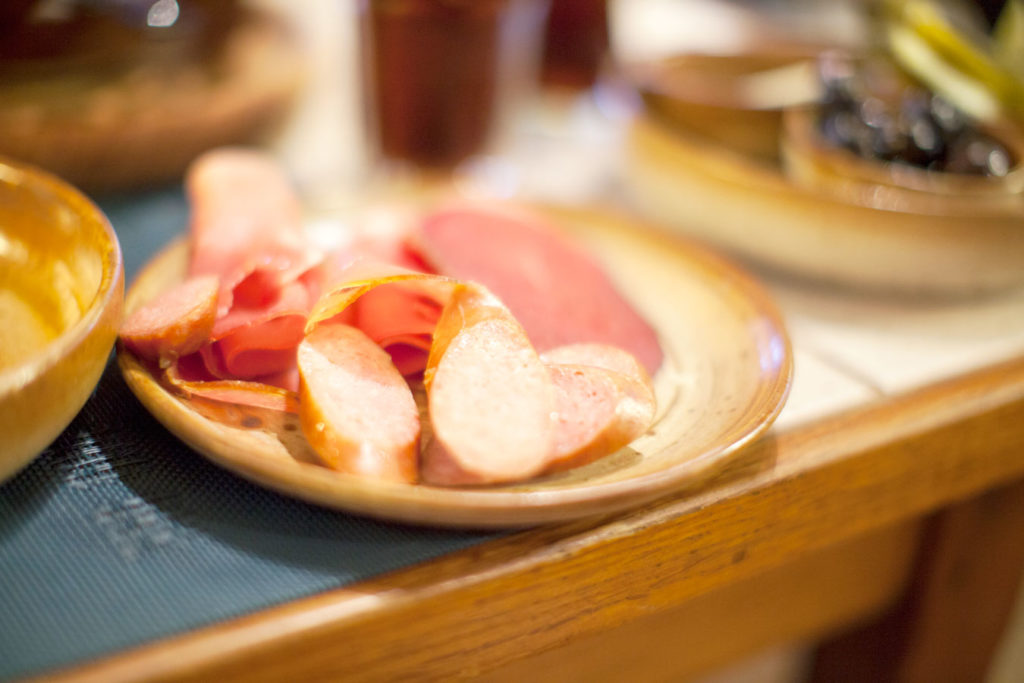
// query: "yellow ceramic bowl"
[[61, 294]]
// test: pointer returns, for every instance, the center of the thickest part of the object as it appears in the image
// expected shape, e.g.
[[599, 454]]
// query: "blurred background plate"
[[908, 244], [117, 95]]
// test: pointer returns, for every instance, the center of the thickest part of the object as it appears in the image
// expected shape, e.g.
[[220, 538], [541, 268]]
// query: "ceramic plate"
[[727, 371]]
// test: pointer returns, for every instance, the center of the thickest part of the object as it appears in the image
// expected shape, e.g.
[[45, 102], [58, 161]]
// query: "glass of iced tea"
[[445, 79]]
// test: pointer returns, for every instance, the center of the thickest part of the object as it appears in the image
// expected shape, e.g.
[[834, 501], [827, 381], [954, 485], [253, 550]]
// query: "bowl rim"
[[801, 138], [23, 373]]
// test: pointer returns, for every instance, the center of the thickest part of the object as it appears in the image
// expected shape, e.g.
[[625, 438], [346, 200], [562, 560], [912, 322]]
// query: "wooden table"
[[888, 496]]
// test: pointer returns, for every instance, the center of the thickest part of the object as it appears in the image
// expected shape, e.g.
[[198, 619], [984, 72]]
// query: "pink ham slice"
[[489, 396], [398, 308], [246, 225], [356, 410], [189, 378], [555, 290], [401, 320], [246, 228], [174, 324]]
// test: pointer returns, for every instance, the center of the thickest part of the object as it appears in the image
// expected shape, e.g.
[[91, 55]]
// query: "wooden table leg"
[[949, 623]]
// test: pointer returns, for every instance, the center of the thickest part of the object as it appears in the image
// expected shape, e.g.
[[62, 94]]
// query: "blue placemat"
[[118, 534]]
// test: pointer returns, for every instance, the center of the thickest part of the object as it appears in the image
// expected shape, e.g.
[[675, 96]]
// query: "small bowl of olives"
[[880, 139]]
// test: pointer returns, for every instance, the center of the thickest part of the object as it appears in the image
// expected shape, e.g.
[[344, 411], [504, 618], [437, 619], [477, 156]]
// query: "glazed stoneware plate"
[[726, 375]]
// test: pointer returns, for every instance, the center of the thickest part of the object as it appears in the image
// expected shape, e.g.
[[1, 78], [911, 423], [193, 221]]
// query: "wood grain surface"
[[791, 494]]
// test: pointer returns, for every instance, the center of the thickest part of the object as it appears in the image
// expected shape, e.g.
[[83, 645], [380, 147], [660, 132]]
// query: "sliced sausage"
[[598, 412], [490, 398], [356, 410], [174, 324]]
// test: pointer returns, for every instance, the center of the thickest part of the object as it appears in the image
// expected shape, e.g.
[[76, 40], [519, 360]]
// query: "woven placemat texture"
[[118, 534]]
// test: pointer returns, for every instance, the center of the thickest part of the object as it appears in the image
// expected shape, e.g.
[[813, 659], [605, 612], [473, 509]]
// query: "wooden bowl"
[[886, 239], [61, 294]]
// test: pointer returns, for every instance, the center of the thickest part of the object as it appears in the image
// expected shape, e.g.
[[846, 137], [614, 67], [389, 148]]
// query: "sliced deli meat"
[[598, 412], [556, 291], [267, 332], [490, 398], [245, 226], [605, 400], [356, 409], [189, 378], [176, 323], [396, 307]]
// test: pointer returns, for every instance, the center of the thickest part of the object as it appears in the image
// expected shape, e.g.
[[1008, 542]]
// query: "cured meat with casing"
[[398, 308], [557, 292], [598, 412], [356, 409], [605, 400], [240, 392], [603, 356], [176, 323], [489, 396]]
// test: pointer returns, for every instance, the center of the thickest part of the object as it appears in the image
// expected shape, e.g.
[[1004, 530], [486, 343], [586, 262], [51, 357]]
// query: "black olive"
[[920, 129]]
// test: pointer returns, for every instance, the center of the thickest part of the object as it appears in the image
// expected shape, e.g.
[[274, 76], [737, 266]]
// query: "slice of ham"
[[176, 323], [490, 397], [246, 225], [246, 228], [556, 291], [356, 410], [237, 403], [398, 308], [188, 377]]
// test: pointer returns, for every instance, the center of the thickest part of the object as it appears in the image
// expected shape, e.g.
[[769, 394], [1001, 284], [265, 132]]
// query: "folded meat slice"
[[176, 323], [189, 378], [246, 229], [489, 396], [558, 293], [356, 410], [236, 403], [245, 226], [397, 308]]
